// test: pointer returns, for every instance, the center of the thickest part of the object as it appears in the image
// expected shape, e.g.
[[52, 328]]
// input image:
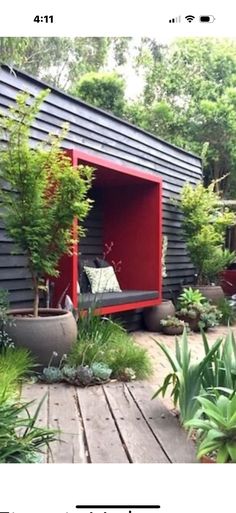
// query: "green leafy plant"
[[200, 316], [190, 296], [21, 440], [185, 377], [228, 313], [101, 370], [197, 311], [216, 426], [172, 321], [220, 371], [204, 225], [15, 365], [100, 340], [44, 193], [5, 320]]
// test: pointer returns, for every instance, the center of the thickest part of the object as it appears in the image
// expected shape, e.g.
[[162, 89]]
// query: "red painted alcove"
[[131, 201]]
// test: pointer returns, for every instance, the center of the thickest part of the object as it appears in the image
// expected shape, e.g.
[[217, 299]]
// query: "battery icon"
[[207, 19]]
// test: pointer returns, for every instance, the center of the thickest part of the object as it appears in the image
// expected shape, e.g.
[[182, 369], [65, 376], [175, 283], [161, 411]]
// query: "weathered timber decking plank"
[[163, 424], [35, 393], [63, 415], [134, 430], [114, 423], [104, 443]]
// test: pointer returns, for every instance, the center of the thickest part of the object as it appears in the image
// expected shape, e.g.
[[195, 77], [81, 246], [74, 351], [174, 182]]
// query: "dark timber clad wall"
[[99, 133]]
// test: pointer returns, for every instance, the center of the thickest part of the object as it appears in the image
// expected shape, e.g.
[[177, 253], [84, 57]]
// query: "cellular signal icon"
[[175, 20]]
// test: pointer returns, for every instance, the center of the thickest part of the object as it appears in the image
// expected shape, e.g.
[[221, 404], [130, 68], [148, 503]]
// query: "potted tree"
[[41, 194], [204, 224]]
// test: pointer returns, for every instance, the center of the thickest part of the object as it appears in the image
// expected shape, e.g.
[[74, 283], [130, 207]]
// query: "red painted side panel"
[[132, 223]]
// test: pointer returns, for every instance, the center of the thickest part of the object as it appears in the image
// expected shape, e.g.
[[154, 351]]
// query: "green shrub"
[[49, 191], [15, 364], [204, 225], [104, 341], [228, 313], [186, 377], [216, 428], [5, 320], [220, 372], [21, 441]]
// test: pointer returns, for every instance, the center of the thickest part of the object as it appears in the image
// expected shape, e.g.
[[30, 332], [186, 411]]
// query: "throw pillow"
[[83, 279], [102, 279], [100, 262]]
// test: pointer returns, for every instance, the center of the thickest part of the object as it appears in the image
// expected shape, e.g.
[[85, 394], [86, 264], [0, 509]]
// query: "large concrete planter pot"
[[154, 314], [54, 330], [214, 293]]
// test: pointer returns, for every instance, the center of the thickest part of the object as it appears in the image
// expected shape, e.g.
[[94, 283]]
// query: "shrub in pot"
[[172, 325], [44, 193], [197, 311], [204, 225]]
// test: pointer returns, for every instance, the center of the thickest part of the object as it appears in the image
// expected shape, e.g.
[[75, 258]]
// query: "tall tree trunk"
[[36, 297]]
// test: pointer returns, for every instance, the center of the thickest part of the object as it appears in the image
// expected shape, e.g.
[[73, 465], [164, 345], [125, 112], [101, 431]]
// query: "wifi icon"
[[190, 18]]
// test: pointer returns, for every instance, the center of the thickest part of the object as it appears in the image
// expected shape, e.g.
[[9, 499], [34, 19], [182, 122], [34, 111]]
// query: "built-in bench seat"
[[102, 299]]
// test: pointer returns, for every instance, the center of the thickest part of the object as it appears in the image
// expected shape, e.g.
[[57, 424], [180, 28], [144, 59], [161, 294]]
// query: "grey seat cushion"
[[115, 298]]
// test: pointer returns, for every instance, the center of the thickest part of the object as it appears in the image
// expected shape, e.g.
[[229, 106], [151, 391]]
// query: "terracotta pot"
[[211, 292], [54, 330], [173, 330], [154, 314]]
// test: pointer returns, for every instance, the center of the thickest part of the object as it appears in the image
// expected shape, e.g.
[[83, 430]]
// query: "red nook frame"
[[132, 208]]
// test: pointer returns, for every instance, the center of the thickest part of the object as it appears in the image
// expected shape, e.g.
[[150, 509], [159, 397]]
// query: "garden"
[[41, 195]]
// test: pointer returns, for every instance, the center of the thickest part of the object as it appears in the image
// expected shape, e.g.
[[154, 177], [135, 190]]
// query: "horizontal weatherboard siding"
[[99, 133]]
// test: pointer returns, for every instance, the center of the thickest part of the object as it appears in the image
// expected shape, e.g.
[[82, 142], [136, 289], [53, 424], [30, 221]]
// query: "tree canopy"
[[104, 90], [189, 99], [189, 87]]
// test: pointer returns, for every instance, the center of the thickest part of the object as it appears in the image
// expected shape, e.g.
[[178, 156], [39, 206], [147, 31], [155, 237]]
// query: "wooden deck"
[[114, 423]]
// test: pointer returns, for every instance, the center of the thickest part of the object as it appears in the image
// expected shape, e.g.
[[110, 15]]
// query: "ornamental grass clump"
[[40, 191], [21, 439], [102, 341]]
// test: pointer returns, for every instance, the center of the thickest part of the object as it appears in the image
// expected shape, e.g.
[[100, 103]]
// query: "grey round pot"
[[154, 314], [173, 330], [53, 330], [214, 293]]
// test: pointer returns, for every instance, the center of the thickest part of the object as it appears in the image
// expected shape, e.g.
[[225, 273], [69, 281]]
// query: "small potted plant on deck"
[[204, 224], [41, 194], [172, 326], [197, 311]]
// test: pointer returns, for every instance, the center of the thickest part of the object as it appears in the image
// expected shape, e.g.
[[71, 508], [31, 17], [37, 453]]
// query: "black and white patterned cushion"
[[102, 279]]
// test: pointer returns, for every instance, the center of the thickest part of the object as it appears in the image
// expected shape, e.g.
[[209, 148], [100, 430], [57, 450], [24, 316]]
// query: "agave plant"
[[190, 296], [186, 377], [216, 428], [220, 372]]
